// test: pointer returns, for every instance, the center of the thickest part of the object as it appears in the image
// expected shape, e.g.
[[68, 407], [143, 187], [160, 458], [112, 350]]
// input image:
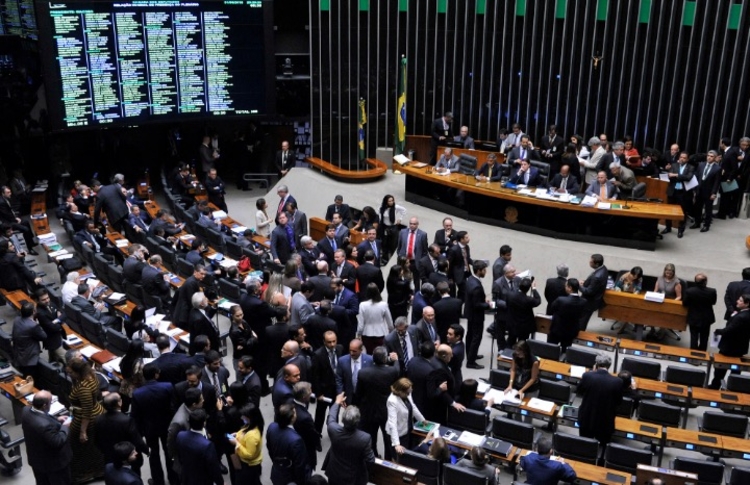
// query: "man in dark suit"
[[347, 371], [412, 244], [552, 148], [455, 339], [120, 471], [291, 353], [200, 462], [524, 151], [427, 328], [730, 173], [491, 171], [201, 321], [329, 244], [156, 282], [555, 287], [51, 320], [466, 141], [27, 335], [526, 175], [136, 221], [422, 298], [321, 283], [735, 337], [216, 374], [540, 468], [428, 263], [459, 259], [371, 243], [601, 188], [172, 366], [474, 308], [677, 192], [566, 314], [249, 378], [372, 393], [91, 236], [262, 313], [9, 216], [114, 426], [498, 266], [521, 321], [445, 238], [441, 387], [734, 290], [403, 341], [216, 190], [338, 207], [418, 371], [304, 424], [152, 411], [351, 453], [284, 198], [194, 380], [565, 182], [47, 447], [286, 449], [297, 220], [283, 240], [593, 289], [283, 392], [319, 324], [112, 199], [324, 362], [275, 336], [182, 302], [344, 270], [132, 267], [699, 300], [285, 159], [442, 276], [501, 287], [447, 309], [709, 176], [441, 131], [369, 273], [602, 394]]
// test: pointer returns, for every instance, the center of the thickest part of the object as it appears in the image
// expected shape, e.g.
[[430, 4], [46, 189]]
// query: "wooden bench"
[[375, 170], [318, 231]]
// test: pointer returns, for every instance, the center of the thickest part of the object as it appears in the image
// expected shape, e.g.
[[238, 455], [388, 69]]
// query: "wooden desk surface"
[[648, 387], [560, 370], [642, 210], [318, 231], [735, 363], [692, 440], [596, 340], [735, 447], [637, 428], [16, 298], [680, 354], [628, 307], [10, 392], [592, 473], [716, 398]]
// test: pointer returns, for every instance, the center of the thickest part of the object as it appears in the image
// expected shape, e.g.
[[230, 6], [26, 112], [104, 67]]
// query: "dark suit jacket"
[[457, 362], [285, 161], [595, 188], [420, 243], [457, 266], [304, 425], [492, 170], [553, 289], [286, 450], [113, 427], [514, 157], [27, 335], [440, 400], [309, 257], [373, 389], [276, 335], [322, 284], [447, 312], [729, 164], [476, 303], [281, 393], [132, 270], [437, 277], [424, 265], [345, 314], [344, 375], [363, 247], [325, 246], [223, 377], [120, 476], [687, 174], [423, 332], [541, 469], [201, 324], [444, 243], [47, 446], [207, 390], [735, 337], [299, 225], [172, 367], [342, 209], [710, 186], [734, 290], [323, 375], [253, 387], [111, 199], [14, 275], [348, 274], [521, 320], [438, 130], [262, 314], [572, 186], [566, 313], [518, 179], [153, 282], [418, 303], [350, 453], [46, 316], [594, 288], [182, 304], [280, 247], [602, 393], [500, 289], [150, 410], [199, 460], [366, 274], [418, 373], [700, 303], [392, 343]]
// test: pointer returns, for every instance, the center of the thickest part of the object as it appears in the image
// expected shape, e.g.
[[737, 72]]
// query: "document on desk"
[[604, 206], [589, 201], [113, 365], [470, 439], [495, 394], [654, 296], [541, 404], [577, 371], [482, 387], [89, 350]]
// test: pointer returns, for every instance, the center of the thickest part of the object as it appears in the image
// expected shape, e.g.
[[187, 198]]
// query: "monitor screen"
[[110, 62]]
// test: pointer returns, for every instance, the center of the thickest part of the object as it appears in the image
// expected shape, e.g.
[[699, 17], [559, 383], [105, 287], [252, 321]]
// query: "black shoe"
[[732, 216], [666, 230], [695, 226], [720, 217], [680, 233], [705, 228], [480, 357], [474, 365], [33, 253], [224, 469]]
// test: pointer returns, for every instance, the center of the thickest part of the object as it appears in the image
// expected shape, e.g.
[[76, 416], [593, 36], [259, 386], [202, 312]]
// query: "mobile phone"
[[230, 436]]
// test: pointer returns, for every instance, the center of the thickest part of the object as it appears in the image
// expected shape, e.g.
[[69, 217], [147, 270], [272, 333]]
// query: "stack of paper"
[[239, 229], [92, 282], [219, 215], [577, 371], [173, 332], [540, 404], [47, 239], [589, 201], [73, 340], [55, 254], [471, 439], [496, 395], [64, 256], [654, 296], [113, 365], [482, 387], [115, 296], [89, 350], [122, 243]]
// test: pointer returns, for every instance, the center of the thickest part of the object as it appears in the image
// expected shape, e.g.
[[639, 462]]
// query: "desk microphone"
[[626, 206]]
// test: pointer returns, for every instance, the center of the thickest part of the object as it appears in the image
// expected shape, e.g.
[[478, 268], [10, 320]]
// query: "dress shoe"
[[480, 357], [722, 217], [695, 226], [224, 470], [705, 228], [680, 233], [666, 230], [474, 365], [33, 253]]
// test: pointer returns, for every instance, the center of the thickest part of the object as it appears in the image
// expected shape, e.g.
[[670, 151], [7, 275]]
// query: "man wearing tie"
[[372, 244], [526, 175], [708, 186], [514, 138], [347, 371], [564, 182], [441, 131], [525, 151], [677, 193], [412, 244], [491, 171], [602, 188], [285, 159]]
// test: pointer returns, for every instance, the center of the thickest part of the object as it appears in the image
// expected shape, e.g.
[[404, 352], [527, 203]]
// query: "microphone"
[[626, 206]]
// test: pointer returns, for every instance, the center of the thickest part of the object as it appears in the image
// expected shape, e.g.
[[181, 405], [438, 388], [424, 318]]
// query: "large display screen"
[[110, 62], [17, 17]]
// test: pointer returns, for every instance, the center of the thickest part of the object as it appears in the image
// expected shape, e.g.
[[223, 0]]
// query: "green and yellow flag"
[[400, 136], [361, 130]]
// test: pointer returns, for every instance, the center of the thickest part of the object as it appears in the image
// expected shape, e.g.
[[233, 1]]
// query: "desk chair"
[[576, 447], [234, 250], [185, 268], [455, 475], [556, 391], [116, 278], [544, 350], [724, 424], [739, 476], [117, 342], [709, 473], [468, 420], [229, 290], [11, 459], [499, 379], [584, 358], [642, 368], [7, 351], [626, 408], [134, 292], [738, 383], [625, 458], [428, 469], [685, 377], [514, 432], [659, 413], [73, 318], [93, 330]]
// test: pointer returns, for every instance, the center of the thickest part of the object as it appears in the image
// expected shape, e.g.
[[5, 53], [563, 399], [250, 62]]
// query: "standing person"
[[48, 448], [441, 131], [283, 241], [735, 337], [216, 190], [602, 394], [351, 453], [391, 215], [119, 471], [402, 413], [736, 289], [347, 370], [27, 335], [374, 319], [304, 424], [677, 193], [412, 244], [498, 266], [709, 176], [445, 238], [111, 199], [50, 319], [131, 367], [507, 283], [474, 308], [113, 427], [248, 443], [285, 159], [555, 287], [730, 175], [88, 461], [338, 207], [286, 449], [455, 338], [324, 363], [400, 289], [566, 312], [198, 457], [10, 217], [262, 221], [459, 259], [593, 289], [699, 300], [208, 155], [403, 341], [521, 320]]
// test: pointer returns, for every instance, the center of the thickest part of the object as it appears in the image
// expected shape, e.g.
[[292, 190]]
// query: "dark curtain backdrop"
[[670, 70]]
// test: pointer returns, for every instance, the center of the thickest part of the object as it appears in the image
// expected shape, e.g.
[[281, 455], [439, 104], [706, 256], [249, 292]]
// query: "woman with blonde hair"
[[401, 407]]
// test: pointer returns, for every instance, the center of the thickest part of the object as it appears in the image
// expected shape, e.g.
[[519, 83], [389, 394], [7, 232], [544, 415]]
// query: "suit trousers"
[[585, 317], [729, 202], [28, 233], [371, 427], [684, 200], [704, 210], [58, 477], [499, 334], [699, 336], [474, 330], [321, 407], [154, 459], [249, 475]]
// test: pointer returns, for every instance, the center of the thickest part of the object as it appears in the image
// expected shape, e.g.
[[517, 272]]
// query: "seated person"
[[526, 175], [631, 281], [84, 200], [137, 220], [467, 396], [438, 450], [195, 255], [205, 219], [479, 463], [96, 309], [541, 469], [491, 170], [629, 387], [564, 182], [77, 218], [601, 188], [338, 206], [623, 179], [14, 275], [164, 220], [91, 236], [448, 162]]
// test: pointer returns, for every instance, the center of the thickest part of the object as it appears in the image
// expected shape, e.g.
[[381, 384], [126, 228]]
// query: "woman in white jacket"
[[401, 409], [374, 319]]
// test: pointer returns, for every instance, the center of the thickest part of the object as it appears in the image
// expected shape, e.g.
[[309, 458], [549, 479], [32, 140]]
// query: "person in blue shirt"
[[542, 470]]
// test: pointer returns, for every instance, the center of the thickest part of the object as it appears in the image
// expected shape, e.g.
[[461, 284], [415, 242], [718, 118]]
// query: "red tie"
[[281, 207], [410, 246]]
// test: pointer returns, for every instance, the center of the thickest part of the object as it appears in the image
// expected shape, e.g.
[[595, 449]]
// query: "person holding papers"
[[678, 193], [526, 175], [564, 182], [524, 371], [601, 188]]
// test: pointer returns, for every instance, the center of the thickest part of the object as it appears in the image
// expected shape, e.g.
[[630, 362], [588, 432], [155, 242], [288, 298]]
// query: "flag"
[[361, 130], [400, 138]]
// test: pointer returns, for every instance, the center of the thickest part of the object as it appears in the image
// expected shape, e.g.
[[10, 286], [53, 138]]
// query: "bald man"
[[47, 446], [441, 387], [283, 388]]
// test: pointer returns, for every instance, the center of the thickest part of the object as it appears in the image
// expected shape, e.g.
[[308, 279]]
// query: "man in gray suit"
[[448, 162], [602, 188], [501, 287], [27, 335], [593, 288], [412, 244], [351, 451], [193, 400]]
